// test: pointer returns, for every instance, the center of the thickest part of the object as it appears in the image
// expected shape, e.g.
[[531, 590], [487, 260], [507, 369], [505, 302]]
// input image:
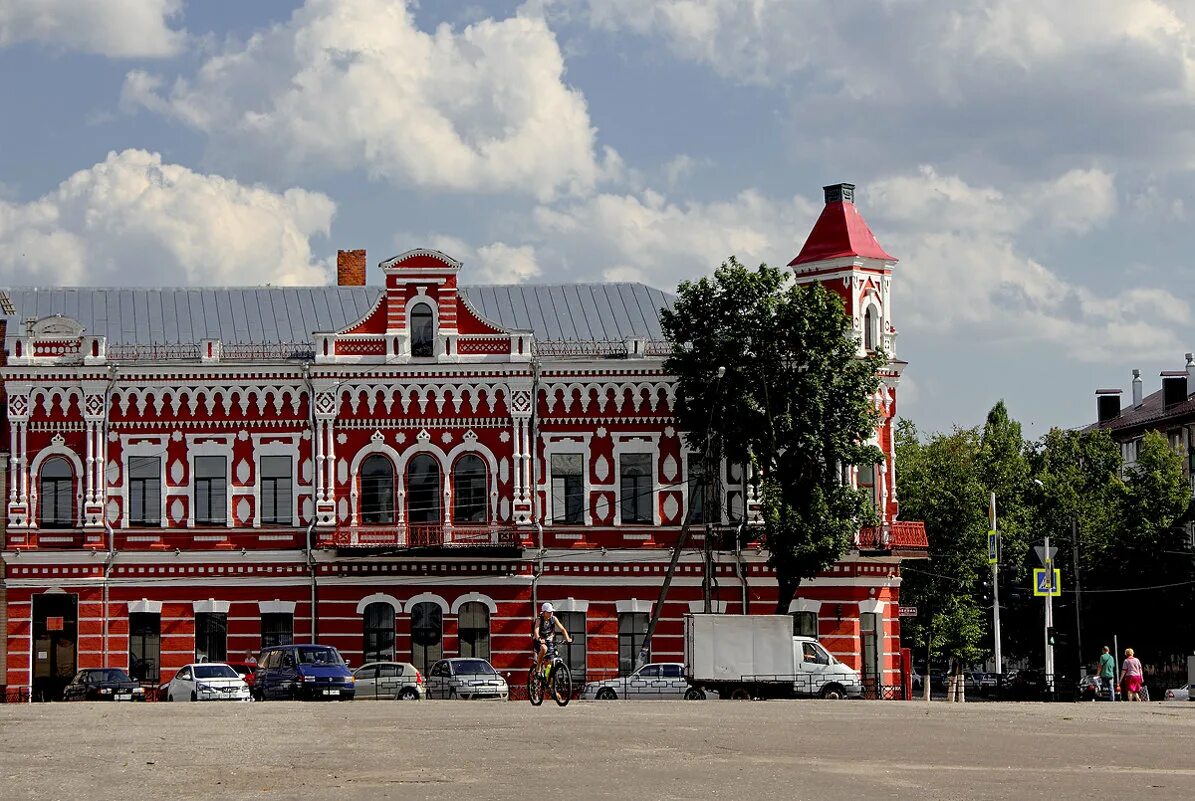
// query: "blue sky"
[[1031, 167]]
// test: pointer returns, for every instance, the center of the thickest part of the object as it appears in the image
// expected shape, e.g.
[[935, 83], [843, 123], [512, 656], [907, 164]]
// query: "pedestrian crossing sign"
[[993, 548], [1047, 582]]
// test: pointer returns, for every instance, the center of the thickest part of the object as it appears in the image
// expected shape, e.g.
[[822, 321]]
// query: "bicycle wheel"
[[562, 684], [535, 687]]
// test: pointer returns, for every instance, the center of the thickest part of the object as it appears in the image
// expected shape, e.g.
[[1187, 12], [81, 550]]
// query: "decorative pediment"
[[57, 326]]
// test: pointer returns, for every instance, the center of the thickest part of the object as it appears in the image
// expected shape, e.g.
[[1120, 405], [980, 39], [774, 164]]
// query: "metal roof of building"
[[262, 315]]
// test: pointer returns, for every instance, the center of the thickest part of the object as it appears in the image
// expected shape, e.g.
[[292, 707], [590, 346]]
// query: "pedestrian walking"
[[1107, 673], [1131, 676]]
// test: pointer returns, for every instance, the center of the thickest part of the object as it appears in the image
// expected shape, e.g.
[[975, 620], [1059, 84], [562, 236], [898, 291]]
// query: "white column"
[[89, 468]]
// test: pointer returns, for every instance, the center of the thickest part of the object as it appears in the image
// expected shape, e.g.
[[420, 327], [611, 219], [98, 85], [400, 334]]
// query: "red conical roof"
[[840, 231]]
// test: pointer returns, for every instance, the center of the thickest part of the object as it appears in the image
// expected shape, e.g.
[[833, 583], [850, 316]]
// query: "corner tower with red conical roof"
[[844, 256]]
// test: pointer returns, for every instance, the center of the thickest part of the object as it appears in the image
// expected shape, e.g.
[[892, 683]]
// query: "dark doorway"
[[55, 636]]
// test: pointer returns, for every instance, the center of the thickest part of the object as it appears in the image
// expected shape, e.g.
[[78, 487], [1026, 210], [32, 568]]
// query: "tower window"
[[423, 330], [871, 328]]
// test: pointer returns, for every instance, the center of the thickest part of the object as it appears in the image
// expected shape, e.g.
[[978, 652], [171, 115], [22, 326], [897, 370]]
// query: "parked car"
[[103, 684], [207, 681], [663, 681], [302, 672], [389, 681], [246, 670], [466, 679]]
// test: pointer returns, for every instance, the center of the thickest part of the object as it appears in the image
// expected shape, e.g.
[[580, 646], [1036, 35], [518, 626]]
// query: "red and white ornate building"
[[398, 470]]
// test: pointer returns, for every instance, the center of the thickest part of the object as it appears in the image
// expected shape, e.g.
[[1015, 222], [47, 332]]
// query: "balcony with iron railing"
[[899, 537]]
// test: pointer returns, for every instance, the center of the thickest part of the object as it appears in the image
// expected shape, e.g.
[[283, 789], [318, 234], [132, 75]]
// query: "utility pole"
[[706, 584], [1078, 593], [1049, 618], [996, 588]]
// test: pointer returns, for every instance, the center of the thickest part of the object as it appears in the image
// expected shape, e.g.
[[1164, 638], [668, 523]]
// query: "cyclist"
[[544, 636]]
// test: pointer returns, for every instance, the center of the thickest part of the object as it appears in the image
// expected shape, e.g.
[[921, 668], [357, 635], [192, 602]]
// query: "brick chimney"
[[350, 268]]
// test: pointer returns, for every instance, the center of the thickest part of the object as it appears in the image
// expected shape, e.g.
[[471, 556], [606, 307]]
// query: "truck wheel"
[[605, 694], [833, 692], [740, 694], [694, 694]]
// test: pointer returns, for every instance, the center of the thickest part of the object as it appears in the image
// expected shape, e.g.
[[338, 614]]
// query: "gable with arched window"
[[423, 489], [470, 487], [423, 330], [377, 491], [56, 494]]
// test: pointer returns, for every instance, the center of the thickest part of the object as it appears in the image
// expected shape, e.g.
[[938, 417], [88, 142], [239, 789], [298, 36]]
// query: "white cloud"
[[1004, 84], [354, 84], [647, 237], [132, 220], [964, 272], [495, 263], [117, 28]]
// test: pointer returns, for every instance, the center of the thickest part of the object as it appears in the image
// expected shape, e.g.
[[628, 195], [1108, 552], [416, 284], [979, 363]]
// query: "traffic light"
[[985, 592], [1051, 636]]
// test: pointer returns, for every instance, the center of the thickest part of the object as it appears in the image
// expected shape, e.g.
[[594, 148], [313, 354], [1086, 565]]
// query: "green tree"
[[938, 482], [796, 400]]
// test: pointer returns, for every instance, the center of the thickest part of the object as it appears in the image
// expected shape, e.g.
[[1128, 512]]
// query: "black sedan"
[[103, 684]]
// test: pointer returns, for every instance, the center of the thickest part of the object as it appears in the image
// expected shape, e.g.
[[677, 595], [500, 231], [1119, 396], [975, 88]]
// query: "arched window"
[[473, 627], [423, 330], [423, 490], [871, 329], [469, 502], [377, 490], [56, 497], [427, 635], [379, 632]]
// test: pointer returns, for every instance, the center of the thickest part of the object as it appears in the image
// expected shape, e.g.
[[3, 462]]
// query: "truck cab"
[[820, 674]]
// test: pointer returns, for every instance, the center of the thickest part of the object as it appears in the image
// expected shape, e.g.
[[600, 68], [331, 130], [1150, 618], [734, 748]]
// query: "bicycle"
[[556, 676]]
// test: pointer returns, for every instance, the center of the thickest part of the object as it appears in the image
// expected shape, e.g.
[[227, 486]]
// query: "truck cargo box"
[[721, 648]]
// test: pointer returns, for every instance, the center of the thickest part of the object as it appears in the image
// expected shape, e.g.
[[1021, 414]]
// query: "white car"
[[207, 681], [660, 681]]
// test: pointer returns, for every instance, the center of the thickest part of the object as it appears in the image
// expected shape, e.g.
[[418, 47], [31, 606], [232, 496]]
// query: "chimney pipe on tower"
[[839, 193], [1137, 394], [1190, 374]]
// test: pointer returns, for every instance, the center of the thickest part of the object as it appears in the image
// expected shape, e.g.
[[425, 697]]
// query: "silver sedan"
[[659, 681]]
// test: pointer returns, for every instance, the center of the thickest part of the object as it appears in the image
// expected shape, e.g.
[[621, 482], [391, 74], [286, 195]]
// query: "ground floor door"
[[55, 643]]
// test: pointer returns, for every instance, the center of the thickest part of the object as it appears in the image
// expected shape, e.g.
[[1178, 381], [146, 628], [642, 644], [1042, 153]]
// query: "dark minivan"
[[302, 672]]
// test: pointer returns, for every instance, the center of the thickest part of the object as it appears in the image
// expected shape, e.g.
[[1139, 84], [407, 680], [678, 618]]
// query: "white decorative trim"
[[633, 605], [145, 607], [571, 604], [716, 607], [804, 605], [379, 598], [474, 597], [871, 607], [428, 597], [276, 607], [211, 606]]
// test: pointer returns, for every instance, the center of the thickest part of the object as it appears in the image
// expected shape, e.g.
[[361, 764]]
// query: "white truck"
[[757, 656]]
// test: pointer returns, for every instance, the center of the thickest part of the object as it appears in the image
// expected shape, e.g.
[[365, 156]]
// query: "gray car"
[[466, 679], [659, 681], [388, 681]]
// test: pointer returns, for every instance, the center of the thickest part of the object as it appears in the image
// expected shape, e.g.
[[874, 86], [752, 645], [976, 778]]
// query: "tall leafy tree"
[[796, 400], [938, 482]]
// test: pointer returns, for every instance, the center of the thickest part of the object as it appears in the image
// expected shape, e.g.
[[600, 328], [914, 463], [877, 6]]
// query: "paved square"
[[642, 750]]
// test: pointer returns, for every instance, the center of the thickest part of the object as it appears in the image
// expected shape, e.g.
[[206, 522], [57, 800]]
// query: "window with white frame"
[[635, 486], [470, 493], [56, 494], [632, 631], [423, 330], [568, 489], [211, 490], [473, 628], [277, 491], [145, 490]]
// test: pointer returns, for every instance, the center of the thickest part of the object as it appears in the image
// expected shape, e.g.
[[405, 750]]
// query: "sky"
[[1029, 165]]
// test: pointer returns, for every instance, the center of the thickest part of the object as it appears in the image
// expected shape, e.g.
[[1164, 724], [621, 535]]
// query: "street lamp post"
[[996, 589]]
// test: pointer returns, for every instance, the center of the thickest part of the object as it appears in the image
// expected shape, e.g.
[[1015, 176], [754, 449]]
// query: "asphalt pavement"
[[641, 750]]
